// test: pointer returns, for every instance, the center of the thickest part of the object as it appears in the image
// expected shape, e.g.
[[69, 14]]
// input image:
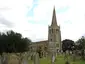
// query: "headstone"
[[36, 58], [4, 58], [25, 59], [53, 59], [13, 59]]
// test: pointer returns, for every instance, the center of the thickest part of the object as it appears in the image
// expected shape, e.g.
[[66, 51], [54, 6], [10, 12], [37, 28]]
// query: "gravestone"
[[25, 58], [13, 59], [53, 58], [36, 58], [4, 58], [24, 61], [74, 56]]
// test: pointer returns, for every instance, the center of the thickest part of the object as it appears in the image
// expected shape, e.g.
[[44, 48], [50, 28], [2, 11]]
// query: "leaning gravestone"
[[13, 59], [36, 58]]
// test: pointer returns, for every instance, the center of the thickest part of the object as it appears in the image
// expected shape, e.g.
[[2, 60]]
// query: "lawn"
[[60, 60]]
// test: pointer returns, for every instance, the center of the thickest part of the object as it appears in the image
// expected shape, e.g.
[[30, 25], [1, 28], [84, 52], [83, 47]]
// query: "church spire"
[[54, 21]]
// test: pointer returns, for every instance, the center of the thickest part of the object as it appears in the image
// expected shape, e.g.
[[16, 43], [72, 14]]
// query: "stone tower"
[[54, 33]]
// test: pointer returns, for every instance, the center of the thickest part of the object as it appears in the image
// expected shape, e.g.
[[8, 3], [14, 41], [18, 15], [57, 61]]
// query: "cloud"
[[6, 23], [4, 8]]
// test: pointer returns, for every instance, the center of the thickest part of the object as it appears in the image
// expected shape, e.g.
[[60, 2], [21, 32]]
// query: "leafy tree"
[[81, 45], [13, 42], [67, 44]]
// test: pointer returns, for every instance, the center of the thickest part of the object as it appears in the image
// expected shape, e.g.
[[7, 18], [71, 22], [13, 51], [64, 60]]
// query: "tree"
[[67, 44], [81, 45], [13, 42]]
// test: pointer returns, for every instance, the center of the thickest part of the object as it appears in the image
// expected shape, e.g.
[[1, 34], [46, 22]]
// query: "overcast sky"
[[32, 17]]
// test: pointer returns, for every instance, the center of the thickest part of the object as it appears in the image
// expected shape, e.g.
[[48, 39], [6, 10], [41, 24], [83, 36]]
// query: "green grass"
[[60, 60]]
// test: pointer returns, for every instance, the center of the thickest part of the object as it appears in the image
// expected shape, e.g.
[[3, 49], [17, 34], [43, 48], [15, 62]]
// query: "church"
[[54, 37]]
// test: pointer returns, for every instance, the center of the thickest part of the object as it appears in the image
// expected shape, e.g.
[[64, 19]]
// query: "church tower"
[[54, 33]]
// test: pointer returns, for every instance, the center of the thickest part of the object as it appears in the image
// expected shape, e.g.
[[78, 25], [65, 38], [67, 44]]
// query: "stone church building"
[[54, 37]]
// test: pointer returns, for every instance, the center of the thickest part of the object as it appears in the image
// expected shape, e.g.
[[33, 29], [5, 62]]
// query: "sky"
[[31, 18]]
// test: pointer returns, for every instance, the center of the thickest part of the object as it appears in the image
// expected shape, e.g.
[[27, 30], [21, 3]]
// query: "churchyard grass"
[[30, 62], [59, 60]]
